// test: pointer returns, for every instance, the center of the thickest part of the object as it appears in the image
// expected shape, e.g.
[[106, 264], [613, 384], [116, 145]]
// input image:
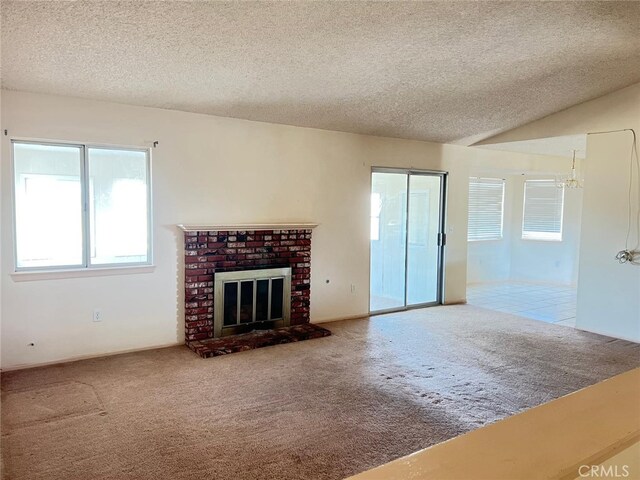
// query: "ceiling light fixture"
[[571, 180]]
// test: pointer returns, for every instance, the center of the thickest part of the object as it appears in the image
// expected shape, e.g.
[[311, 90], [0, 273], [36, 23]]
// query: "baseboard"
[[338, 319], [78, 358], [456, 302], [609, 335], [367, 315]]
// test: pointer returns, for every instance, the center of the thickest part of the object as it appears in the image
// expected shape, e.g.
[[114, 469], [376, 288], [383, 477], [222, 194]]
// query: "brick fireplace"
[[214, 249]]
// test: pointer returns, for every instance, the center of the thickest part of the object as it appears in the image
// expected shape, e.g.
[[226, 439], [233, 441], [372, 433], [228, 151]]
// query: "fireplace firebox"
[[251, 299]]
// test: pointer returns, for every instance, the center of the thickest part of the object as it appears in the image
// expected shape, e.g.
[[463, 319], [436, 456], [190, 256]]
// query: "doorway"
[[407, 239], [524, 229]]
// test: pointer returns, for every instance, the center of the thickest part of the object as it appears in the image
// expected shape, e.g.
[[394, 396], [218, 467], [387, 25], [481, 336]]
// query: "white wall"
[[1, 227], [489, 261], [608, 293], [212, 170]]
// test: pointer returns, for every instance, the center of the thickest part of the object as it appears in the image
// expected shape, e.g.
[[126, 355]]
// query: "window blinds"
[[486, 205], [543, 205]]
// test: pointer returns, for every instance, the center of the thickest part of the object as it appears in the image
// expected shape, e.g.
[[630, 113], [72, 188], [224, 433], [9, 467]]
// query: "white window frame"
[[542, 236], [84, 182], [496, 237]]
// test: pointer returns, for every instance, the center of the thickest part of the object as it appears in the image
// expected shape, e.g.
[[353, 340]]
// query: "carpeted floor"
[[323, 409]]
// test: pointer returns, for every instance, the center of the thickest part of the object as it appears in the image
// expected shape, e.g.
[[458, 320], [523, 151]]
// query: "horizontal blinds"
[[486, 205], [543, 204]]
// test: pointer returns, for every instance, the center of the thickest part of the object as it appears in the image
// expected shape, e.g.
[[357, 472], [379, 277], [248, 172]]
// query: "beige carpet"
[[321, 409]]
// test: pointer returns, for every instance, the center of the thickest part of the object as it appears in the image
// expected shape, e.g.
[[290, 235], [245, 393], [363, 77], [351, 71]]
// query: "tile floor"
[[545, 302]]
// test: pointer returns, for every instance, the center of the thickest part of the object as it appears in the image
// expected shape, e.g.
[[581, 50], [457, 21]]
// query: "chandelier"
[[571, 180]]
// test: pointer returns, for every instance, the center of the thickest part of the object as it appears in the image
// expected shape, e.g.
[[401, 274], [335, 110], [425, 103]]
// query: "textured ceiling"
[[441, 71]]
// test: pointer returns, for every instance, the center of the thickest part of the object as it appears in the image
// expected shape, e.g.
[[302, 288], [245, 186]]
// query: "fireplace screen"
[[251, 299]]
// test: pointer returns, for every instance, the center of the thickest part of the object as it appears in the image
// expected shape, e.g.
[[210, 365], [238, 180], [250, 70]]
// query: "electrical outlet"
[[97, 315], [353, 288]]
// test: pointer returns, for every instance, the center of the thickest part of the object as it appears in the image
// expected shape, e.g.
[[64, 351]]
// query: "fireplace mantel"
[[246, 227]]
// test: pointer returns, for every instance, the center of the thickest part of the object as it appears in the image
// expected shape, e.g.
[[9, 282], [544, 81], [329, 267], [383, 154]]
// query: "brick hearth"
[[210, 251], [215, 347]]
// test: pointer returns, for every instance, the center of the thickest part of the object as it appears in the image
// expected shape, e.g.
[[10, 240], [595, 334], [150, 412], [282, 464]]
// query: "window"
[[80, 206], [543, 205], [486, 208]]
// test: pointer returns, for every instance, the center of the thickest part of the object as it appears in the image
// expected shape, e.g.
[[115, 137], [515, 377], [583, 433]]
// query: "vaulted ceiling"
[[437, 71]]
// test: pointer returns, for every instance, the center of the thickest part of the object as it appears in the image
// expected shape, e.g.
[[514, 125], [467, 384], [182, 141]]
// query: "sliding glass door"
[[407, 219], [388, 240]]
